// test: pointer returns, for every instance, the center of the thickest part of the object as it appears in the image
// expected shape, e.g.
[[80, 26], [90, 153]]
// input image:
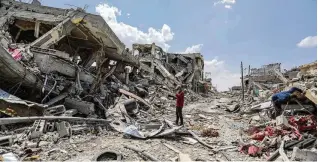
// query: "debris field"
[[71, 91]]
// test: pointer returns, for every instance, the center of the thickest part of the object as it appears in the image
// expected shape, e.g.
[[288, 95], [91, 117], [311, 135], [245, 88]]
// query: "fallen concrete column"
[[55, 34], [57, 98], [51, 52], [83, 107], [39, 17], [165, 73], [134, 96], [49, 63], [4, 121]]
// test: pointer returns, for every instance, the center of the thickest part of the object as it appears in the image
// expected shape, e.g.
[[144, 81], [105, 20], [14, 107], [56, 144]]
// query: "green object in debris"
[[256, 92]]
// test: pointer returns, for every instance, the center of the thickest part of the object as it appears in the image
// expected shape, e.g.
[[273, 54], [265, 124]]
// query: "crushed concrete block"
[[83, 107], [55, 110], [281, 120], [303, 155], [37, 129], [50, 127], [64, 129]]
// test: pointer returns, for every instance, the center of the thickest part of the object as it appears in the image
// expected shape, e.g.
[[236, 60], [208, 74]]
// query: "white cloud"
[[225, 2], [128, 14], [308, 42], [130, 34], [228, 6], [194, 49], [221, 77]]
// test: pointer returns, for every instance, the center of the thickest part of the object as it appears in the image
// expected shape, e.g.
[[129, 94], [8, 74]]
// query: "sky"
[[226, 32]]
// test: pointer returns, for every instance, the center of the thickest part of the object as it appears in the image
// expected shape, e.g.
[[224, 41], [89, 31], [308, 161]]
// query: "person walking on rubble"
[[179, 105], [282, 98]]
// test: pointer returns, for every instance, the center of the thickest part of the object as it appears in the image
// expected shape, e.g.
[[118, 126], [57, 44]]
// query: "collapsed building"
[[272, 77], [170, 68], [263, 82], [53, 56], [62, 67], [51, 50], [63, 71]]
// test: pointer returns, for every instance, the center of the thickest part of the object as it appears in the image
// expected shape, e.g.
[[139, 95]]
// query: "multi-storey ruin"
[[70, 90], [171, 68], [64, 53]]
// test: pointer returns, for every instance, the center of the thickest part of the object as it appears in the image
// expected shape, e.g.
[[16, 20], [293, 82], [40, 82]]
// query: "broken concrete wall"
[[52, 50], [192, 62], [172, 67]]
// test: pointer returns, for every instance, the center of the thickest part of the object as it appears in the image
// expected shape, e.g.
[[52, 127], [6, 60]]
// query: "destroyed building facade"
[[52, 55], [69, 87], [174, 67]]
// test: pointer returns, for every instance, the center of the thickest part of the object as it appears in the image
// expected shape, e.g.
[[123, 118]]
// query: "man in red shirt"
[[179, 105]]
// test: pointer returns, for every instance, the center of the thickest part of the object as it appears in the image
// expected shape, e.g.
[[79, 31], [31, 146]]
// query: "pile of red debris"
[[283, 134]]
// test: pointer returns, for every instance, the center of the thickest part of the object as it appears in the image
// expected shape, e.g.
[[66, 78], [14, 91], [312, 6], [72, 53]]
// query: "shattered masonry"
[[170, 68], [69, 87], [54, 38]]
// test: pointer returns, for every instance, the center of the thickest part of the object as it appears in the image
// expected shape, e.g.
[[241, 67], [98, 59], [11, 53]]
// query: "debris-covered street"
[[70, 90]]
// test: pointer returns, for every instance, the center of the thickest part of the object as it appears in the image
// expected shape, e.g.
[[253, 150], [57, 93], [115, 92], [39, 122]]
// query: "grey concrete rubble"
[[69, 87], [37, 129]]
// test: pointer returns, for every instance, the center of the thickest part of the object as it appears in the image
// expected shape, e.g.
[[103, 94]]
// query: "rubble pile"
[[65, 73], [70, 87], [290, 135]]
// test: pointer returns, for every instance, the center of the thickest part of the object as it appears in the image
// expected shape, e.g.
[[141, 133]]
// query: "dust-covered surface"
[[70, 90]]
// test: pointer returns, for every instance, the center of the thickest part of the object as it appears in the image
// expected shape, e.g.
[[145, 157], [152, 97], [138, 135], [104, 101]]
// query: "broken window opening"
[[156, 71], [175, 60], [23, 31], [147, 63]]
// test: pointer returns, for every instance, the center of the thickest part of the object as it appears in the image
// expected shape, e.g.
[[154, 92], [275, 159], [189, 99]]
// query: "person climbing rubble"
[[179, 105], [282, 98]]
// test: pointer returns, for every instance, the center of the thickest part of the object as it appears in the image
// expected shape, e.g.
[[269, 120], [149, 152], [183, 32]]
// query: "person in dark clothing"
[[282, 98], [179, 105]]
